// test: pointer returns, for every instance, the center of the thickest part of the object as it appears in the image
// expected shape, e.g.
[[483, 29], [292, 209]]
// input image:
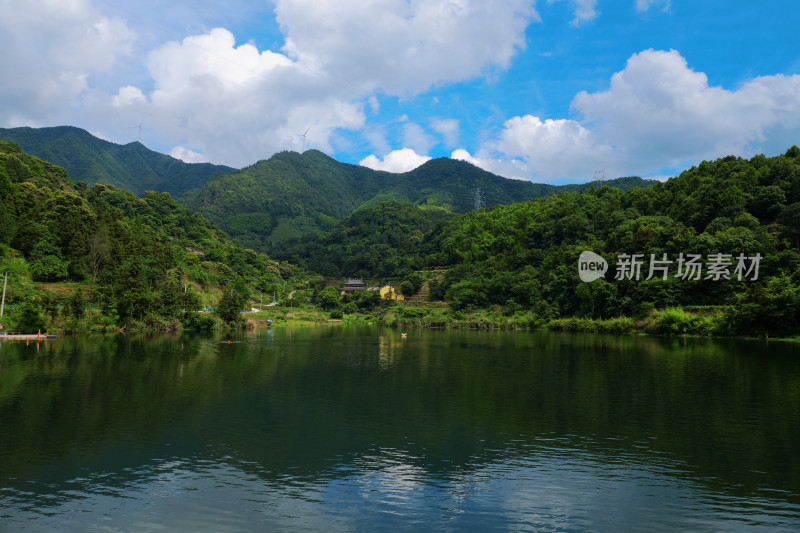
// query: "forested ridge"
[[130, 166], [145, 262], [523, 258], [514, 265], [288, 196], [291, 195]]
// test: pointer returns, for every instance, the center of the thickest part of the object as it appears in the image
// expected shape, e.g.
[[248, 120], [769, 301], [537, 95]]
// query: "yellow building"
[[388, 293]]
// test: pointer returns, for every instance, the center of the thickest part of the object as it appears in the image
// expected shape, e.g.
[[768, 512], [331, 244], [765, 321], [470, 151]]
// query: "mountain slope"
[[134, 256], [734, 213], [291, 194], [92, 160]]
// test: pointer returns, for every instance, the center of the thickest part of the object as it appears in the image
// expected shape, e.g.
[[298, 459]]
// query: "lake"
[[358, 429]]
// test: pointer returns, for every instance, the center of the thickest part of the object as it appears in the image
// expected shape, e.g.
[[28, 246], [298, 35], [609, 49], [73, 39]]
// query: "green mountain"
[[291, 195], [734, 214], [139, 258], [384, 240], [130, 166], [736, 220]]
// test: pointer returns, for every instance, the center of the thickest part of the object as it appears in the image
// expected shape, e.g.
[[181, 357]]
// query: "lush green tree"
[[790, 218], [771, 308], [229, 306], [30, 319], [597, 299], [328, 299], [368, 300], [49, 268], [49, 303], [76, 305]]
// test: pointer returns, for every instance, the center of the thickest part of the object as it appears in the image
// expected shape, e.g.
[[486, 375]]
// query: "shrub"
[[412, 312], [199, 322], [617, 325], [30, 320], [328, 298], [49, 268]]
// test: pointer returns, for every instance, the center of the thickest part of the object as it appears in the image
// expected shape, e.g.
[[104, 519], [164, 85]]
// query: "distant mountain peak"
[[132, 166]]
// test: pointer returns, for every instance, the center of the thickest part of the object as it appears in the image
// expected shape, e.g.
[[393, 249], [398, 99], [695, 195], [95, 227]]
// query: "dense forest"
[[523, 258], [379, 241], [292, 195], [131, 166], [145, 261], [148, 262]]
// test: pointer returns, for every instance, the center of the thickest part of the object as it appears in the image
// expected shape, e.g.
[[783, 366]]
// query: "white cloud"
[[186, 155], [584, 11], [403, 47], [553, 148], [509, 168], [237, 104], [656, 114], [448, 128], [397, 161], [128, 96], [51, 47], [643, 6], [659, 112], [414, 136]]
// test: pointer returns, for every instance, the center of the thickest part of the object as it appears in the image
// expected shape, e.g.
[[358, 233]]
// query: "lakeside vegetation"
[[143, 263], [97, 258], [522, 260]]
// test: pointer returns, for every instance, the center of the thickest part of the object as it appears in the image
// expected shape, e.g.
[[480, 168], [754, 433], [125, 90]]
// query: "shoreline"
[[670, 322]]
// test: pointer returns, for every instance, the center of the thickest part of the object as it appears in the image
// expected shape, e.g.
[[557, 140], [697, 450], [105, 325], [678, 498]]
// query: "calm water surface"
[[340, 429]]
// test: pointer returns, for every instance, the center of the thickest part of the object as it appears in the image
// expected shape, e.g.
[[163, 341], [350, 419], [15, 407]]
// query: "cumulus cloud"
[[403, 47], [658, 110], [509, 168], [237, 104], [50, 50], [397, 161], [234, 102], [656, 114], [186, 155], [128, 96], [553, 148], [585, 11]]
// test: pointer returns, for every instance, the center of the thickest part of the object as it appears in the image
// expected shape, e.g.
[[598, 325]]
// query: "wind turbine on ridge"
[[303, 135], [140, 130]]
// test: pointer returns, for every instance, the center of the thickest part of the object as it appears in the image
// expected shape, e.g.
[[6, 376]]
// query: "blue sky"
[[550, 91]]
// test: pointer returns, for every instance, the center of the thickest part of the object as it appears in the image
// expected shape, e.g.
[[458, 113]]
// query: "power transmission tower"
[[601, 174], [478, 199]]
